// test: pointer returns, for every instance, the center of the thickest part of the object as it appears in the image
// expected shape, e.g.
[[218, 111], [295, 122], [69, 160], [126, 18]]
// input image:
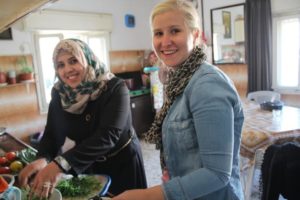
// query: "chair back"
[[263, 96], [280, 172]]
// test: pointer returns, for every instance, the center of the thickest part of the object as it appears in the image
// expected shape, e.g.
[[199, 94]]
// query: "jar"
[[2, 77], [12, 77]]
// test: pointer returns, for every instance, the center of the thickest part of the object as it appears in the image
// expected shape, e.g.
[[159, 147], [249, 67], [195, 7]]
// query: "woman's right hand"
[[28, 172], [165, 176]]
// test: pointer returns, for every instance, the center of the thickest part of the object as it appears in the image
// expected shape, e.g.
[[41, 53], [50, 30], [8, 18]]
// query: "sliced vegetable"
[[3, 184]]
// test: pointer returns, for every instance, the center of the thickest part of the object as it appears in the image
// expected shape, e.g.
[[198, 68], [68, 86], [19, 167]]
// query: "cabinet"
[[142, 113]]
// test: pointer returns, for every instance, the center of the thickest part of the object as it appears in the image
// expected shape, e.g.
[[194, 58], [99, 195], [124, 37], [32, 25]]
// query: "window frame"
[[283, 89]]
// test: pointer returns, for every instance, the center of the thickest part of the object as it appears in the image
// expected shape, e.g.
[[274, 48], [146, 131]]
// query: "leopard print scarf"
[[178, 80]]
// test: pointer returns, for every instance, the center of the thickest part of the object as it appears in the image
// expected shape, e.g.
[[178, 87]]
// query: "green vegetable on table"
[[27, 155], [81, 186]]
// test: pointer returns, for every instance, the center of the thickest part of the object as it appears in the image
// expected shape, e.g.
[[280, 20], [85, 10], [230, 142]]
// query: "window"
[[286, 77], [45, 44]]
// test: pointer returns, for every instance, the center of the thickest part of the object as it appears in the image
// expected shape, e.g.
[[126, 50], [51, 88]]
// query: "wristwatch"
[[62, 163]]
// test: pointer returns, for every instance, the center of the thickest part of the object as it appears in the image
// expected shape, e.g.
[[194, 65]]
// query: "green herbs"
[[78, 186], [27, 155]]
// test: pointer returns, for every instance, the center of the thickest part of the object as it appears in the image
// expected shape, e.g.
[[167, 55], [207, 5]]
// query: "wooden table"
[[261, 129]]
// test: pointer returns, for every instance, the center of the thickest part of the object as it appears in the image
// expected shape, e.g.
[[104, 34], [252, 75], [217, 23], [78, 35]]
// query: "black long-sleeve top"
[[96, 131]]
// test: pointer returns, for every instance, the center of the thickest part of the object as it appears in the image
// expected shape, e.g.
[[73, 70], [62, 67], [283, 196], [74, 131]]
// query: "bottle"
[[156, 86]]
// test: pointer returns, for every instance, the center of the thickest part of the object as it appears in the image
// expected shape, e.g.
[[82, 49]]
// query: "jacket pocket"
[[183, 134]]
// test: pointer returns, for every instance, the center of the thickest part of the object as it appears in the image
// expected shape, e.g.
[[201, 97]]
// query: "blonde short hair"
[[191, 17]]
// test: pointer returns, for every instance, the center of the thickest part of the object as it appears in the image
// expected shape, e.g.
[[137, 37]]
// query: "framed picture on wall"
[[227, 28], [226, 16], [6, 35]]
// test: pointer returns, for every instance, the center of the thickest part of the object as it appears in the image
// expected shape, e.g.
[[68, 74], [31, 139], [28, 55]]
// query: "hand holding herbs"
[[75, 187]]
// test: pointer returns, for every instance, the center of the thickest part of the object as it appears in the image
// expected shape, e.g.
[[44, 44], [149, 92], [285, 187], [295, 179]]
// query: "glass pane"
[[288, 53], [47, 45], [98, 45]]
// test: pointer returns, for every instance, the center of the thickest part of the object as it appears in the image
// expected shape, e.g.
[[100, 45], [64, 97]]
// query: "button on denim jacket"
[[201, 139]]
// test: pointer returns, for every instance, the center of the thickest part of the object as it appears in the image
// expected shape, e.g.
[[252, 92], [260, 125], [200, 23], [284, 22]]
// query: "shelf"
[[16, 84]]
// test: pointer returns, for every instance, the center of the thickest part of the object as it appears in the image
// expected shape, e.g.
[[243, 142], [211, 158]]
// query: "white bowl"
[[56, 195]]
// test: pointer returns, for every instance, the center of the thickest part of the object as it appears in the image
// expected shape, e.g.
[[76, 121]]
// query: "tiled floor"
[[152, 163]]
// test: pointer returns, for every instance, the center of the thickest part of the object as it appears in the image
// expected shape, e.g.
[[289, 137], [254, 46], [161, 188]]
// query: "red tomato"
[[5, 170], [11, 156], [3, 160]]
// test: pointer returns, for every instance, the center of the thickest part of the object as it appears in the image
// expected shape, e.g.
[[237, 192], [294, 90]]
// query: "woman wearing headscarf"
[[90, 106]]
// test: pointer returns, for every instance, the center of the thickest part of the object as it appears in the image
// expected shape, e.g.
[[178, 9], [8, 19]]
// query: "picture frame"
[[228, 34], [226, 17], [6, 35]]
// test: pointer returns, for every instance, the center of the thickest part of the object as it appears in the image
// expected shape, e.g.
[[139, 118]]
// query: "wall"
[[18, 103], [138, 37], [284, 6]]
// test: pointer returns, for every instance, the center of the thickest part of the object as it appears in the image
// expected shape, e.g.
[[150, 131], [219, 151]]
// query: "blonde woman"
[[198, 128]]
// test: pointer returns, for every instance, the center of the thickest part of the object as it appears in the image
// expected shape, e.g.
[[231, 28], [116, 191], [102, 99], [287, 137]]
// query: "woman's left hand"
[[45, 181], [153, 193]]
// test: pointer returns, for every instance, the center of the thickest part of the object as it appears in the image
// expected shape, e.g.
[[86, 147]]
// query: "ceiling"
[[13, 10]]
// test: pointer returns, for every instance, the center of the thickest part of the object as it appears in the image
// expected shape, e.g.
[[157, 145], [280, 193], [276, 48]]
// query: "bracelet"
[[62, 163]]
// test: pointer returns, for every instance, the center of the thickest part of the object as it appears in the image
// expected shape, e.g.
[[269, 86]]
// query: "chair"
[[263, 96], [280, 172]]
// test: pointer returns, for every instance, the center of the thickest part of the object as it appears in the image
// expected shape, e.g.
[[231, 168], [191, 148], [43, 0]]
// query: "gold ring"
[[47, 184]]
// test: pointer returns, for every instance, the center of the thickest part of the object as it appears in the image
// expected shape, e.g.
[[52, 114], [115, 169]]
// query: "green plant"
[[26, 69]]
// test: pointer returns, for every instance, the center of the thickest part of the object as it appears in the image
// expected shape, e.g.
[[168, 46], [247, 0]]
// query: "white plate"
[[105, 181], [13, 193], [3, 84], [10, 179]]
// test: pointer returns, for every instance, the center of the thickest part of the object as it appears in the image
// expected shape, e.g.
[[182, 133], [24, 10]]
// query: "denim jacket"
[[201, 139]]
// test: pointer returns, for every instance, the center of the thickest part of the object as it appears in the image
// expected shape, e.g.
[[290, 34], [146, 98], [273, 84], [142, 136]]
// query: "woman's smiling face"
[[172, 40], [69, 69]]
